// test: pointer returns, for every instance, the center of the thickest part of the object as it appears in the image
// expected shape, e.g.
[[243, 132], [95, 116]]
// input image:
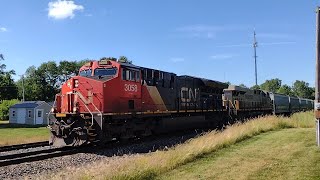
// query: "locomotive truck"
[[110, 100]]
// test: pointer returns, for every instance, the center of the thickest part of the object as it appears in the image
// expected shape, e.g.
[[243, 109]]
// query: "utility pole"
[[317, 95], [22, 77], [255, 45]]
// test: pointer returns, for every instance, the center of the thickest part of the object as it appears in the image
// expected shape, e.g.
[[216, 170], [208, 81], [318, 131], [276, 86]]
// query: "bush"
[[4, 108]]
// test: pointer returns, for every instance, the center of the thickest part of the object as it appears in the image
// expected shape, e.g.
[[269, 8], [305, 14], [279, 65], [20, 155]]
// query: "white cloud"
[[222, 56], [175, 60], [3, 29], [63, 9]]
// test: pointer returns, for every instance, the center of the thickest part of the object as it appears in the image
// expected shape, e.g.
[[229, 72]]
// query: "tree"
[[2, 66], [50, 71], [286, 90], [302, 89], [44, 82], [271, 85], [8, 88], [229, 83], [4, 108], [242, 85], [35, 85], [255, 87], [67, 69], [124, 59], [109, 58]]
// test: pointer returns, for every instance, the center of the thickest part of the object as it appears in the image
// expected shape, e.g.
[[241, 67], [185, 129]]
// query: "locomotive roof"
[[130, 65], [209, 82], [237, 88]]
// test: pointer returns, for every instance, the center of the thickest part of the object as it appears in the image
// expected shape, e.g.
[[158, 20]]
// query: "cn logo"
[[188, 95]]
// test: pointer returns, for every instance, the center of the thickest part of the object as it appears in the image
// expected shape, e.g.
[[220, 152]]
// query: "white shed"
[[29, 112]]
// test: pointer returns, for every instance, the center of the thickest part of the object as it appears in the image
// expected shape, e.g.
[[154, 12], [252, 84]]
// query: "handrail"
[[99, 113], [53, 105], [92, 119], [230, 102]]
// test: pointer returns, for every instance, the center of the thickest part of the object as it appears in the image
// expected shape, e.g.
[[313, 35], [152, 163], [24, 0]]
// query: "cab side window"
[[130, 75]]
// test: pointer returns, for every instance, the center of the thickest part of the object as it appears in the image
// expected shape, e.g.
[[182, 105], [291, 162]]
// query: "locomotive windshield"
[[85, 73], [105, 72]]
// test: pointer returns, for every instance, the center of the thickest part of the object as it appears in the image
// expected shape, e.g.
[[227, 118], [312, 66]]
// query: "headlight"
[[74, 109], [52, 110], [76, 83]]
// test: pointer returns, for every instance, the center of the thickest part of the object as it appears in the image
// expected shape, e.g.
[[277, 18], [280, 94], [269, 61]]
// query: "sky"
[[207, 38]]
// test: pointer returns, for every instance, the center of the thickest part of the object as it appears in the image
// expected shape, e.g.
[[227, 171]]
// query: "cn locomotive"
[[111, 100]]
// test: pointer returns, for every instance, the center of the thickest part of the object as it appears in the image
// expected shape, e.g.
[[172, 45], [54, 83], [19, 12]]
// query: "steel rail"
[[23, 146], [37, 155]]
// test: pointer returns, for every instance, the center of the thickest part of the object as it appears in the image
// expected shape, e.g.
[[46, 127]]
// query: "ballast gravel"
[[32, 170]]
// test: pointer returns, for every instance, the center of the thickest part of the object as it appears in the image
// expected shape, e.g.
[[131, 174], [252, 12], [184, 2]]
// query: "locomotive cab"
[[241, 99], [78, 109]]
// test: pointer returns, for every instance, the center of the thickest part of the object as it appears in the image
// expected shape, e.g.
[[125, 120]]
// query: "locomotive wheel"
[[92, 134], [74, 139], [72, 134]]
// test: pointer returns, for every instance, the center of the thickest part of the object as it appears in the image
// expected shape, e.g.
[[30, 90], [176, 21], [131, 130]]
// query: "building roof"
[[27, 104], [50, 103]]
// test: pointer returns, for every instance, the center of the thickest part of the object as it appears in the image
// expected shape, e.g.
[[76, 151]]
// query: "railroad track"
[[23, 146], [18, 158]]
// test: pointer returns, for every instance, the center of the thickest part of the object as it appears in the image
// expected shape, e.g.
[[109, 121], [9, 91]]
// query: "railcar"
[[281, 103], [294, 104], [303, 104]]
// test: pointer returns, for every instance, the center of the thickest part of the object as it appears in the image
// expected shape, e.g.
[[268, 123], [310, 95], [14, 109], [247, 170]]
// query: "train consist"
[[111, 100]]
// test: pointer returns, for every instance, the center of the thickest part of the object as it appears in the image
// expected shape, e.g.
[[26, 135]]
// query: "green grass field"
[[20, 134], [285, 154]]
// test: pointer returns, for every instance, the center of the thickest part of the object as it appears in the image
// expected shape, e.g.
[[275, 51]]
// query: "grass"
[[153, 165], [19, 134], [288, 153]]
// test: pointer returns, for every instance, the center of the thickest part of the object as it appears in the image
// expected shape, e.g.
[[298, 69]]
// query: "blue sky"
[[207, 38]]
